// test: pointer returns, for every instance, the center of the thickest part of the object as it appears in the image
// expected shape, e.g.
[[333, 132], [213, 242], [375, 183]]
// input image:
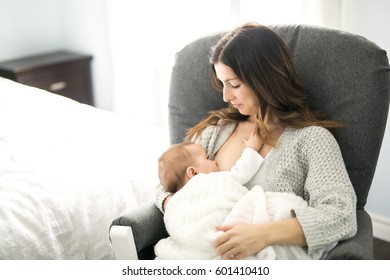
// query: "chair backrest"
[[345, 76]]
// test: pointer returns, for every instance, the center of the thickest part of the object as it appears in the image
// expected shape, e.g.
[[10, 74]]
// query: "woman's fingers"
[[224, 228], [239, 241], [225, 248], [222, 238]]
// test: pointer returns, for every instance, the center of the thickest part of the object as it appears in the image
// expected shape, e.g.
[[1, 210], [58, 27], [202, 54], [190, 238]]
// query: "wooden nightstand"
[[61, 72]]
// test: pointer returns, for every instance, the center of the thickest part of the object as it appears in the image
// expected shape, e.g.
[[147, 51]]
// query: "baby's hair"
[[172, 166]]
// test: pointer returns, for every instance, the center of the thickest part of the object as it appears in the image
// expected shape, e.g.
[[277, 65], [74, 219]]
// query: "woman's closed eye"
[[235, 85]]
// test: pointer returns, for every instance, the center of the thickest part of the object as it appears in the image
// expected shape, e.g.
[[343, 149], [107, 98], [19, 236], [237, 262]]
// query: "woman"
[[253, 68]]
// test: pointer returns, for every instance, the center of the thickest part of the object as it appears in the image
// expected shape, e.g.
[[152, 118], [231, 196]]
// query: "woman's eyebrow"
[[231, 79]]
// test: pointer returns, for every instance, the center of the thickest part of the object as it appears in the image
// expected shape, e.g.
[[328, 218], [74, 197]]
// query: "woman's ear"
[[190, 172]]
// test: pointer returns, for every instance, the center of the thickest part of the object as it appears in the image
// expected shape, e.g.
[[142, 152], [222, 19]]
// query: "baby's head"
[[180, 163]]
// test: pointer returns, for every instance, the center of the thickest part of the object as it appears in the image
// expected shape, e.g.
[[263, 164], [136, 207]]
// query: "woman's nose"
[[226, 94]]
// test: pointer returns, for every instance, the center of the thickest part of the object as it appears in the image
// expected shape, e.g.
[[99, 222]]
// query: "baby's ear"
[[190, 172]]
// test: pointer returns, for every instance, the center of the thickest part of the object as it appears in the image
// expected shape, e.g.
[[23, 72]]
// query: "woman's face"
[[235, 91]]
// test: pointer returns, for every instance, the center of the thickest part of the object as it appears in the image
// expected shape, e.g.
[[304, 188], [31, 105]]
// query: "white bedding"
[[66, 171], [213, 199]]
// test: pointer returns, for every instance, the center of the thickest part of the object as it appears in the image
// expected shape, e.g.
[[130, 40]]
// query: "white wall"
[[29, 27], [85, 29], [34, 27]]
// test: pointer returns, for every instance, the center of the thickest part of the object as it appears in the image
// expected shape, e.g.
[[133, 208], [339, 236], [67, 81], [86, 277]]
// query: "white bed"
[[66, 171]]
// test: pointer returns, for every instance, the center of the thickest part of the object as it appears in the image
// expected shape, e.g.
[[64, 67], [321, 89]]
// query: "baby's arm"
[[249, 162]]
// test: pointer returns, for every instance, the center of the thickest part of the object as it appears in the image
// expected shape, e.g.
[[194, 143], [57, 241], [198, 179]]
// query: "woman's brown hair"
[[261, 60]]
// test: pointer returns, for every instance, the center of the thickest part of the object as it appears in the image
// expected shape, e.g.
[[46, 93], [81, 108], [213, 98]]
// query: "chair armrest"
[[122, 240], [359, 247], [147, 224]]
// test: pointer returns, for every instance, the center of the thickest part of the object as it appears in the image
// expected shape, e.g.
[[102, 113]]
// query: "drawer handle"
[[57, 86]]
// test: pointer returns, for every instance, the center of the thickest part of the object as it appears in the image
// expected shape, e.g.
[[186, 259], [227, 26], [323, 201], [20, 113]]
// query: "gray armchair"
[[345, 76]]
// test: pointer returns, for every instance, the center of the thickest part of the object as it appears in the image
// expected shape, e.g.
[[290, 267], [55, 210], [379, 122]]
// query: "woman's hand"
[[240, 241]]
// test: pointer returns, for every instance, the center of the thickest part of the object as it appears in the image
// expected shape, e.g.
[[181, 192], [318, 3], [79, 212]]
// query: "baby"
[[183, 161]]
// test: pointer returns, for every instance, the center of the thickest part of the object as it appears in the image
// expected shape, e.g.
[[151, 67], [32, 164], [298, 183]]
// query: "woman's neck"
[[271, 123]]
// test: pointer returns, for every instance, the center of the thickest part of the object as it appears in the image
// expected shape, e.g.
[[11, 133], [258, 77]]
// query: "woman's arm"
[[242, 240], [331, 215]]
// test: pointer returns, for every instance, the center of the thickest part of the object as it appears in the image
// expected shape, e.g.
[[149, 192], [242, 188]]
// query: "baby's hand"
[[253, 142]]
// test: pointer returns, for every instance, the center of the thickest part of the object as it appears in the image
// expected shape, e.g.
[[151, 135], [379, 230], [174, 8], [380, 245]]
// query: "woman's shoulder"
[[312, 133], [310, 137]]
